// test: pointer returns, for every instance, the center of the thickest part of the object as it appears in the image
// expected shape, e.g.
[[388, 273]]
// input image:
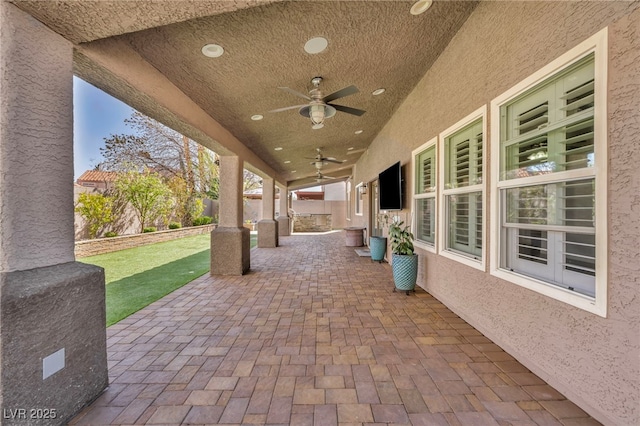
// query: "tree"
[[148, 195], [251, 181], [190, 169], [163, 150], [187, 206], [96, 209]]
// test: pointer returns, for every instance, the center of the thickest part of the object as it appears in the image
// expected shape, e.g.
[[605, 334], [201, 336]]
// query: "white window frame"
[[359, 199], [596, 44], [415, 196], [480, 113]]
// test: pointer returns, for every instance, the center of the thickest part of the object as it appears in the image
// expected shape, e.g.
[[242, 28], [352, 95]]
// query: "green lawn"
[[139, 276]]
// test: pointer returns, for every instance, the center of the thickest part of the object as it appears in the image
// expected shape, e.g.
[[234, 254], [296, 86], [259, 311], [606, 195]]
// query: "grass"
[[139, 276]]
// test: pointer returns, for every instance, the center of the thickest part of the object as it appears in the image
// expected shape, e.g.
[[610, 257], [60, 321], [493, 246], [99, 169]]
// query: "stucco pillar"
[[268, 227], [52, 309], [283, 220], [230, 241]]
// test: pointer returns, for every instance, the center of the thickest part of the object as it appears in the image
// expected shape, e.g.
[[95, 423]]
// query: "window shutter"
[[478, 222], [532, 245], [460, 220], [427, 171], [533, 119], [461, 169], [426, 219]]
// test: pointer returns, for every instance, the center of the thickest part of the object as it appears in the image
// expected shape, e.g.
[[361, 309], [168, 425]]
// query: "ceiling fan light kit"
[[319, 107]]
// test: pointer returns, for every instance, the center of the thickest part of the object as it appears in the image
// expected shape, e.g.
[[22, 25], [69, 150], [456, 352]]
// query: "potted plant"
[[404, 261], [378, 243]]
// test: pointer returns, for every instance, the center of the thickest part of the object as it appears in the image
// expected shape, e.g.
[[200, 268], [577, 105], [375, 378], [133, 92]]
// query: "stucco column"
[[268, 227], [283, 220], [52, 309], [230, 241]]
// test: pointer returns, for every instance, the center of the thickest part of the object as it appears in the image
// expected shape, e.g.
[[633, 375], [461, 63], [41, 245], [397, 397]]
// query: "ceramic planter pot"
[[377, 247], [405, 271]]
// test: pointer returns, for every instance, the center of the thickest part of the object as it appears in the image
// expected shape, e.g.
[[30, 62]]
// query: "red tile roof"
[[97, 176]]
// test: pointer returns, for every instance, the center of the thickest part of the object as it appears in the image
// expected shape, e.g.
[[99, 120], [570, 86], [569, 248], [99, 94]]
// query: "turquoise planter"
[[377, 247], [405, 271]]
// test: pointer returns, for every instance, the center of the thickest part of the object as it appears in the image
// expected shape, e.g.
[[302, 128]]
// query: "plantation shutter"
[[425, 202], [425, 213], [465, 153], [426, 171], [551, 129], [463, 189]]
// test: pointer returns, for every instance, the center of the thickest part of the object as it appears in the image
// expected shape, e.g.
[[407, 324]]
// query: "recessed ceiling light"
[[293, 171], [315, 45], [287, 162], [278, 148], [257, 117], [350, 148], [357, 132], [212, 50], [379, 91], [421, 6]]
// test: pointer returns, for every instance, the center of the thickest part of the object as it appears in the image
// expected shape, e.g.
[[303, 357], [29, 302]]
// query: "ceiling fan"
[[320, 177], [319, 107], [320, 160]]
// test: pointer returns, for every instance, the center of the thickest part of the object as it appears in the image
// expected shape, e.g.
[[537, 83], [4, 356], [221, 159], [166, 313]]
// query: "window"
[[550, 139], [424, 197], [462, 196], [359, 200], [349, 199]]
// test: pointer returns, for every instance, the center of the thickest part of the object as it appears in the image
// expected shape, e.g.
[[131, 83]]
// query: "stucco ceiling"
[[372, 44]]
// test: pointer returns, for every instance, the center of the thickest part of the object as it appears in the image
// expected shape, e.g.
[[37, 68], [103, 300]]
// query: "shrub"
[[97, 211], [149, 229], [175, 225], [110, 234], [202, 220]]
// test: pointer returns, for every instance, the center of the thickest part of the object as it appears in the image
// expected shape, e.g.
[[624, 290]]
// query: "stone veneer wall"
[[312, 223], [107, 245]]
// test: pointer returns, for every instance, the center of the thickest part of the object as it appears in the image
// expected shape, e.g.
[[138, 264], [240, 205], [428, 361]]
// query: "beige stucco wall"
[[36, 144], [592, 360]]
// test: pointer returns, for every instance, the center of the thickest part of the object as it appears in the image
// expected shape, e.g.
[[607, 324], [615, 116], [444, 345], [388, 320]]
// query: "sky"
[[96, 116]]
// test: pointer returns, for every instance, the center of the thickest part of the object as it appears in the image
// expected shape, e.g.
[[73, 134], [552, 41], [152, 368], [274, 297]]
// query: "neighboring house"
[[97, 179]]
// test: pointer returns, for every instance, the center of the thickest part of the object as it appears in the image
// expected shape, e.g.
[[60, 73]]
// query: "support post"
[[230, 241], [53, 352], [284, 222], [268, 227]]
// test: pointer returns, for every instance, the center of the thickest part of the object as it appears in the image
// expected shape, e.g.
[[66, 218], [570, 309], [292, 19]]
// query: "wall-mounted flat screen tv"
[[390, 188]]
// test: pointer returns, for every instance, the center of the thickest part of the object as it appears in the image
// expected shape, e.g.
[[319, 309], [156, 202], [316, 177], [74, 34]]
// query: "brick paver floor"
[[314, 335]]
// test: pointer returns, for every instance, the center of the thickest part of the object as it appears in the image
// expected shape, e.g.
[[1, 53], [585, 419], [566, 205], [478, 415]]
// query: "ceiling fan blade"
[[357, 151], [333, 160], [348, 110], [288, 108], [351, 90], [295, 92]]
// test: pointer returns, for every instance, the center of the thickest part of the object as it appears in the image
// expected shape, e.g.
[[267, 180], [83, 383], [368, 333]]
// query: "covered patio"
[[491, 109], [313, 334]]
